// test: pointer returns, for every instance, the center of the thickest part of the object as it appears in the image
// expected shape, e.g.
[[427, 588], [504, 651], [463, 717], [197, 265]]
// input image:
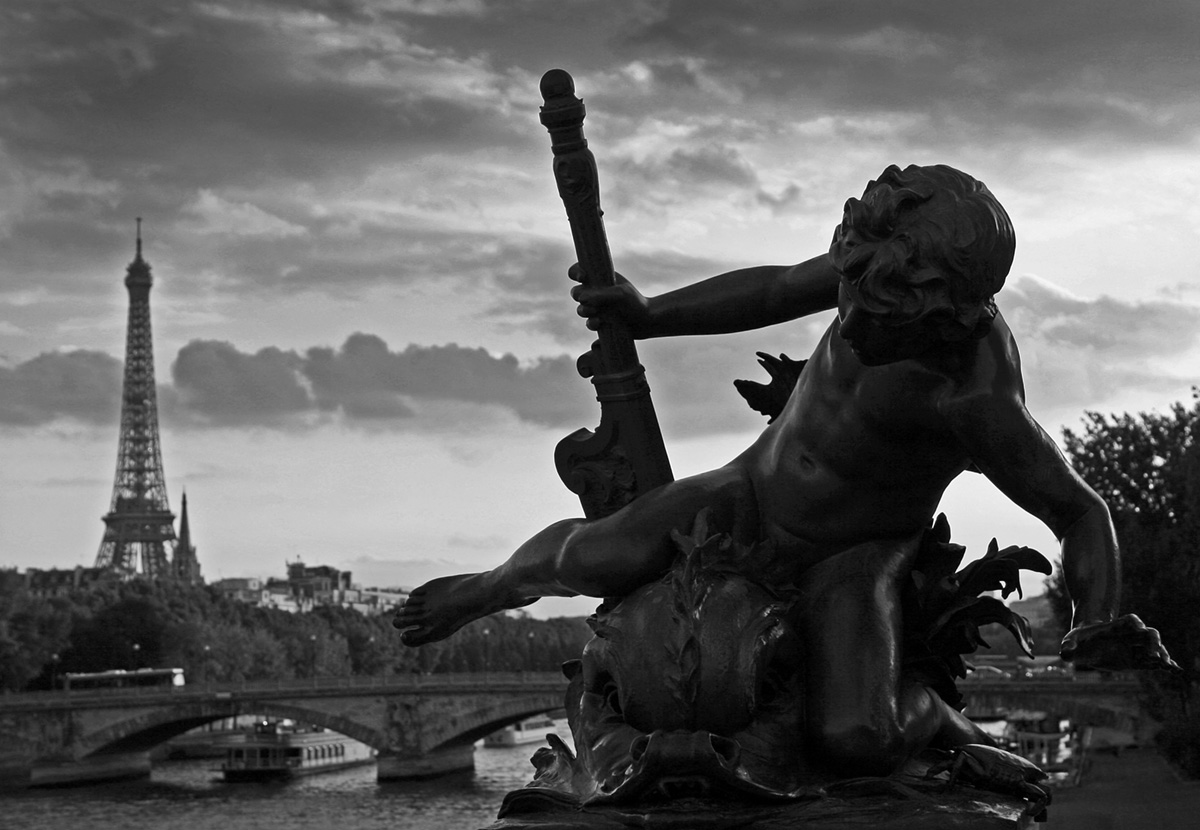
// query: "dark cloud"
[[1076, 71], [79, 385], [223, 386], [1077, 352], [216, 384], [787, 198], [209, 93], [364, 375], [116, 109], [680, 175]]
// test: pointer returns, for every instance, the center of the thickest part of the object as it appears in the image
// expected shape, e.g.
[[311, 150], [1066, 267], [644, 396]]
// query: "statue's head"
[[922, 254]]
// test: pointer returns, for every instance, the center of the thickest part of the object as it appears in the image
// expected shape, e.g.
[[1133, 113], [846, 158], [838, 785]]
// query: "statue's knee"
[[862, 749]]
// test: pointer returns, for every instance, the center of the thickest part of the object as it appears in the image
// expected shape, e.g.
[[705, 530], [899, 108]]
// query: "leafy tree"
[[139, 623], [1147, 469]]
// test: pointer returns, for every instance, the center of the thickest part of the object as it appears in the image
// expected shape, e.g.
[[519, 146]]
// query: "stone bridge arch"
[[419, 725], [151, 727], [431, 735], [485, 721]]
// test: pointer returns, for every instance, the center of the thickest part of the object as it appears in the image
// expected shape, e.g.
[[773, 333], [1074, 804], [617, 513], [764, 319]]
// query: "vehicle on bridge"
[[279, 750], [123, 679]]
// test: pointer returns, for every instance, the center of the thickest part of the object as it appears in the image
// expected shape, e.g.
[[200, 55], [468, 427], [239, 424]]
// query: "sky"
[[363, 334]]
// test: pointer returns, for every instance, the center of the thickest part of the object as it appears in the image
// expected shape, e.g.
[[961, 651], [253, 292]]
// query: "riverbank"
[[1136, 790]]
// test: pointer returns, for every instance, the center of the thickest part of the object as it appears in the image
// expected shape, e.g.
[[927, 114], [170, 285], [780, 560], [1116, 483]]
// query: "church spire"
[[185, 563]]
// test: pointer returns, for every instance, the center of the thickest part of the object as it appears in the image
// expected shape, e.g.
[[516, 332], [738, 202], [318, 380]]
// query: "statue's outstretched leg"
[[606, 557]]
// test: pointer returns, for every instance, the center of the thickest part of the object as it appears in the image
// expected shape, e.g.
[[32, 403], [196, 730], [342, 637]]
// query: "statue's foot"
[[441, 606]]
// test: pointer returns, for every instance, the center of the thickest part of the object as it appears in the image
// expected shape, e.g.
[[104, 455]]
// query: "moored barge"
[[279, 750]]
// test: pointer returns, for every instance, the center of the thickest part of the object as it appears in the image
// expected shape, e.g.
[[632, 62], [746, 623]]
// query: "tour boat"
[[526, 731], [277, 750]]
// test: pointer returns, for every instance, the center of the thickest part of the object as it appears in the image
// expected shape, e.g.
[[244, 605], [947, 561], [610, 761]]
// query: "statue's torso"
[[859, 453]]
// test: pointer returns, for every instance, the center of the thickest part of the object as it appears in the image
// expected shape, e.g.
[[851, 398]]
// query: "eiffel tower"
[[139, 533]]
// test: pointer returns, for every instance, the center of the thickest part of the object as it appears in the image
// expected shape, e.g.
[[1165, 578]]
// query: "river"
[[190, 795]]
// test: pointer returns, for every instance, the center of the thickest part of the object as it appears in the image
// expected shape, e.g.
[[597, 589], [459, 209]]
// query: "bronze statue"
[[787, 621]]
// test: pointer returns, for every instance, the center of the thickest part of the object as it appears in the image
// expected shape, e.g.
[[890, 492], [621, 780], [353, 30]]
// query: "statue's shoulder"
[[987, 375]]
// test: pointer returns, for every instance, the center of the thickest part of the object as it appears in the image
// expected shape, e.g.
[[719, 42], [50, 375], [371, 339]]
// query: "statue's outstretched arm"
[[748, 298]]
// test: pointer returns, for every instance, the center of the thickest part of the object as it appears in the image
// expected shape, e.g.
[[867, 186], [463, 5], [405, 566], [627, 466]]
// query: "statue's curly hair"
[[931, 242]]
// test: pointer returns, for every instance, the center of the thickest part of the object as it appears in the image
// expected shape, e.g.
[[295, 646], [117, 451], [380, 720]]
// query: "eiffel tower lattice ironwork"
[[139, 532]]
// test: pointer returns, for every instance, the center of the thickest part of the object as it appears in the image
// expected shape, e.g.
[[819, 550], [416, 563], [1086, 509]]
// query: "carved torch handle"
[[626, 455]]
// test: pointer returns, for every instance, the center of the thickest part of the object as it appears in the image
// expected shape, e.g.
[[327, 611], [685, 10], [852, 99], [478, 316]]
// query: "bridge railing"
[[430, 682]]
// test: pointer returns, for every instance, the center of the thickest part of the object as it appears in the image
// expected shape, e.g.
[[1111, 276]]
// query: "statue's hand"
[[621, 301], [1122, 644]]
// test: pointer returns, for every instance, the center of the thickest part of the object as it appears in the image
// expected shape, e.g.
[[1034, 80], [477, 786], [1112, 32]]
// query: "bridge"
[[421, 725], [1084, 698]]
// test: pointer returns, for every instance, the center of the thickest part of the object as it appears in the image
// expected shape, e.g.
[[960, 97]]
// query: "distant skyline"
[[363, 334]]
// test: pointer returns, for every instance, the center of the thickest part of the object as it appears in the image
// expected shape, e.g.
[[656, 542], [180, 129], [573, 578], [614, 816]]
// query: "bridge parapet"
[[430, 683], [1096, 702]]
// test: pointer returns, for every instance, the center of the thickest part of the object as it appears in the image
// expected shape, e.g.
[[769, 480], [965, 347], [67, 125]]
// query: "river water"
[[190, 795]]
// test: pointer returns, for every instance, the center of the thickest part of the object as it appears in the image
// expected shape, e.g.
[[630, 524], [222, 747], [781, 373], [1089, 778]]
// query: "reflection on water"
[[190, 795]]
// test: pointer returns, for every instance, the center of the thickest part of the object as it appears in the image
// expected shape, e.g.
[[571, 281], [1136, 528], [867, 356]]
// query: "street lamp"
[[204, 664], [486, 649], [312, 650], [54, 658], [137, 654]]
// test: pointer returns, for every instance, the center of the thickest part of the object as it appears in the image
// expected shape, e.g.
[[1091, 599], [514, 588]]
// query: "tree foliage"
[[126, 625], [1147, 469]]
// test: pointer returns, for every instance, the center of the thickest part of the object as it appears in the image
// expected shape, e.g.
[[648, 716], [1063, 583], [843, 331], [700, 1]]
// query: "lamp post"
[[54, 658], [312, 651], [204, 664], [137, 655], [486, 649]]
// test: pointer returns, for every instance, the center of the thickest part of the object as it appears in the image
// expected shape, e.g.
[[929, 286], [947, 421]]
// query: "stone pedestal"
[[878, 804], [714, 819], [429, 765]]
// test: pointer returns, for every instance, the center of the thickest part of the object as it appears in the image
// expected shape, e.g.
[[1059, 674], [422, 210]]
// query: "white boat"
[[278, 750], [526, 731]]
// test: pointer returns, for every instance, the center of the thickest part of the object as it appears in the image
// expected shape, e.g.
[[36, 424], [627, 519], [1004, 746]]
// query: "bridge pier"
[[92, 769], [436, 762]]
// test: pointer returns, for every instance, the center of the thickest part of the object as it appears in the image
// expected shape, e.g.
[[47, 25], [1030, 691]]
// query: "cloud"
[[989, 71], [79, 385], [364, 379], [223, 386], [221, 120], [1076, 352], [365, 382], [1079, 351], [214, 214]]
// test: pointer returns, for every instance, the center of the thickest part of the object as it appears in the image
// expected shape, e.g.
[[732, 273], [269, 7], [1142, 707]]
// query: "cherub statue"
[[916, 380]]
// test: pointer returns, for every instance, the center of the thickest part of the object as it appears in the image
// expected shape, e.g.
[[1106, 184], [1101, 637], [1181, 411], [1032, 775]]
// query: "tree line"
[[142, 624], [1147, 468]]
